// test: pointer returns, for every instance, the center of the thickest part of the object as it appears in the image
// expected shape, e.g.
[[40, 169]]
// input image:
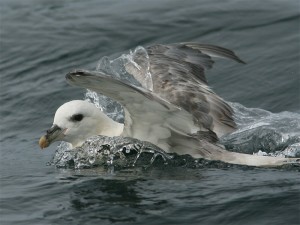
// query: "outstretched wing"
[[148, 117], [151, 118], [178, 75]]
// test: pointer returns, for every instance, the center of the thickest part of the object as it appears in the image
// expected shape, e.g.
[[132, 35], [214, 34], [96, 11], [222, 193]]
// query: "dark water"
[[43, 40]]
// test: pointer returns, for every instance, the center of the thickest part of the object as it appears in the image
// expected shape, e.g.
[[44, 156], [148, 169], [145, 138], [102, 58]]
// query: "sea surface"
[[43, 40]]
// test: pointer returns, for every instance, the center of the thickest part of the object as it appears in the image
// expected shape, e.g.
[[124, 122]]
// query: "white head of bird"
[[77, 120]]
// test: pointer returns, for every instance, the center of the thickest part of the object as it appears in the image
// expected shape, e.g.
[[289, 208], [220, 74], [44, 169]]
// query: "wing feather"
[[148, 117], [178, 75], [182, 112]]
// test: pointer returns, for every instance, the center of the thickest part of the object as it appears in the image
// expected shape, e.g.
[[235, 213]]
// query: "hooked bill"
[[43, 142]]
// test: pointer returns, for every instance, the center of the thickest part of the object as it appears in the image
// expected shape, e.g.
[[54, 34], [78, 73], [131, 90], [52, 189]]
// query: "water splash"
[[110, 107], [107, 151], [136, 62], [264, 133], [132, 68]]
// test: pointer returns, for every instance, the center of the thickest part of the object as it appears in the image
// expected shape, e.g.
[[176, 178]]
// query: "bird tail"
[[213, 152]]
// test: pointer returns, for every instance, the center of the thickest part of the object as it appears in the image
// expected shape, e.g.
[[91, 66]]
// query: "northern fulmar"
[[178, 112]]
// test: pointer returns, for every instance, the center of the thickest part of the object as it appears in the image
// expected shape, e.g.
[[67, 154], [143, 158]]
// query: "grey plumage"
[[176, 110], [178, 75]]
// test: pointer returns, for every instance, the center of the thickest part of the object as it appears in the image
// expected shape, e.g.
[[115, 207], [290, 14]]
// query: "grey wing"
[[178, 75], [148, 117], [148, 111]]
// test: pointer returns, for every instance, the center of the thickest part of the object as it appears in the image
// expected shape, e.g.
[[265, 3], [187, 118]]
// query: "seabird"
[[176, 110]]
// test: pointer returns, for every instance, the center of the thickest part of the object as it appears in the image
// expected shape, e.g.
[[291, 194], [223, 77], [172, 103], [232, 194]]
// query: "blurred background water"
[[43, 40]]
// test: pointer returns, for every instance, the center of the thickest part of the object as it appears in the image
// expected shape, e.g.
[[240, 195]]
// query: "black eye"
[[77, 117]]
